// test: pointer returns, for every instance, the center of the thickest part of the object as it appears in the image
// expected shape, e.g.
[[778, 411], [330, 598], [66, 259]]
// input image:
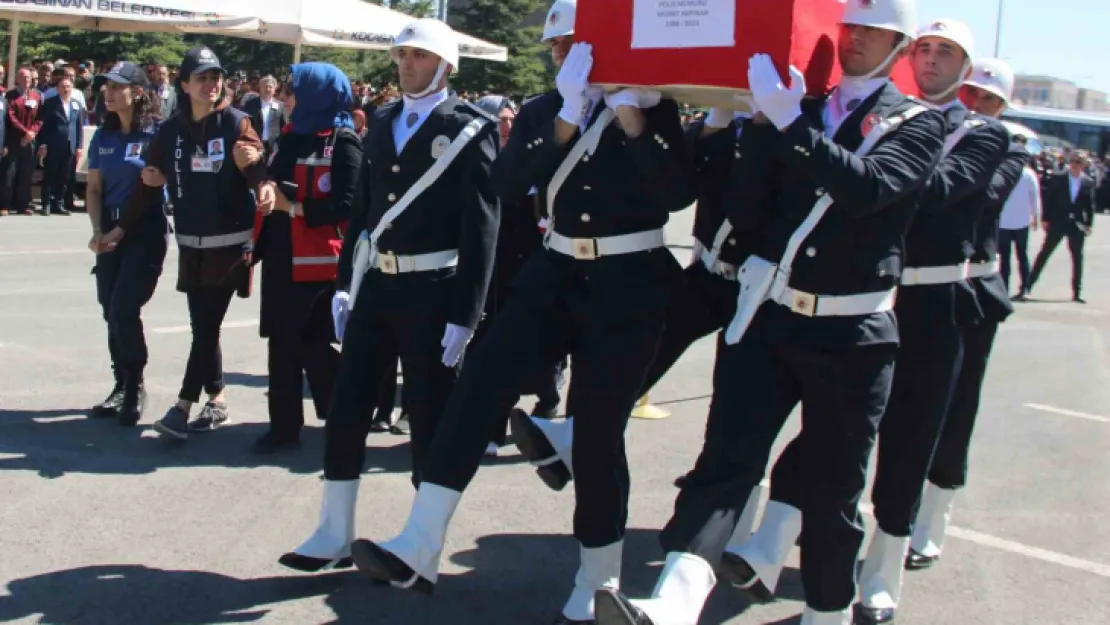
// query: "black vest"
[[205, 203]]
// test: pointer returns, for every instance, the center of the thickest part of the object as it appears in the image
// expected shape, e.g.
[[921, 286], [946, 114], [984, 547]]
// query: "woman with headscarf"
[[313, 173], [518, 237]]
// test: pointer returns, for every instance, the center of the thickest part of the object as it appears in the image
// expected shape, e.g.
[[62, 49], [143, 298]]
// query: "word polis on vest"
[[107, 6]]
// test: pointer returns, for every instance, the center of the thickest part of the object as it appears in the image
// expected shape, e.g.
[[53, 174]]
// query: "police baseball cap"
[[199, 60], [123, 74]]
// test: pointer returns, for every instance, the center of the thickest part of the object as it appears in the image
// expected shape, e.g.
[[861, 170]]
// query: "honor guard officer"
[[934, 303], [598, 292], [23, 122], [314, 172], [214, 214], [730, 155], [988, 92], [126, 273], [820, 329], [431, 229]]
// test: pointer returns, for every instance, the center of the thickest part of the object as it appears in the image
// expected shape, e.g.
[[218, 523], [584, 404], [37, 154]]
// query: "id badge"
[[134, 152], [216, 150], [201, 164], [32, 104]]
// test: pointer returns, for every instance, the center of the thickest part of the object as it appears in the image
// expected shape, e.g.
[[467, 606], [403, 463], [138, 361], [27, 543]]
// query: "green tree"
[[498, 21], [54, 42]]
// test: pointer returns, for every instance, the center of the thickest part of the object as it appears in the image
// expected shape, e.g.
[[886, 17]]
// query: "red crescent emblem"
[[869, 123]]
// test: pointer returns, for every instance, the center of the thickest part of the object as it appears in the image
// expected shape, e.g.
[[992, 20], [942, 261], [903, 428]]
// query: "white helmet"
[[952, 30], [897, 15], [995, 76], [430, 35], [560, 20], [955, 32]]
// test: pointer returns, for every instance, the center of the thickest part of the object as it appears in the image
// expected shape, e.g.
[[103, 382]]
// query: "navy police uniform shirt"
[[120, 159]]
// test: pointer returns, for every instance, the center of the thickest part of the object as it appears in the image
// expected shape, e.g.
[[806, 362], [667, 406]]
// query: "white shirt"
[[423, 108], [1074, 183], [849, 90], [75, 94], [1024, 203], [267, 106]]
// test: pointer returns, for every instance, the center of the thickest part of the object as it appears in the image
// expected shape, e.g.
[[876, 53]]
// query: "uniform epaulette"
[[473, 108]]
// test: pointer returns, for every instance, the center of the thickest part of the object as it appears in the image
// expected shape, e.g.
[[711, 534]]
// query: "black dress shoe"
[[382, 566], [401, 427], [271, 443], [916, 562], [1078, 300], [743, 577], [109, 408], [872, 616], [535, 447], [611, 607], [545, 413], [306, 564]]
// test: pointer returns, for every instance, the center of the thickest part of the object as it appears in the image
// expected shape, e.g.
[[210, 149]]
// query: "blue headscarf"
[[323, 98]]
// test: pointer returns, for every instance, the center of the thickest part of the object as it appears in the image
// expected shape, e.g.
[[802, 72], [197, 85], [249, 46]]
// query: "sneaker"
[[109, 408], [272, 442], [175, 424], [211, 417], [401, 427]]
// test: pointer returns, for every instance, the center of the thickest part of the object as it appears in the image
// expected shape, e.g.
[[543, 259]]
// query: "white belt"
[[812, 305], [982, 270], [219, 240], [392, 264], [914, 276], [718, 267], [589, 249]]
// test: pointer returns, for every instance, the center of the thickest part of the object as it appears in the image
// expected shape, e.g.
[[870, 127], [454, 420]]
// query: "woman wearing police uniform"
[[315, 171], [214, 214], [129, 257]]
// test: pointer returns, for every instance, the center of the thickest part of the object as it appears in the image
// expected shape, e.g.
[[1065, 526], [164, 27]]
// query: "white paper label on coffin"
[[683, 23]]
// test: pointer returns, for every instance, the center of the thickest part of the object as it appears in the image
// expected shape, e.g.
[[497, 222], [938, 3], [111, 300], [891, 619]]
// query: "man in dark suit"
[[63, 131], [1069, 211], [266, 112]]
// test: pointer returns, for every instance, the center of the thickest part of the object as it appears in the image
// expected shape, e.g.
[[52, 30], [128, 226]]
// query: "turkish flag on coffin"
[[697, 51]]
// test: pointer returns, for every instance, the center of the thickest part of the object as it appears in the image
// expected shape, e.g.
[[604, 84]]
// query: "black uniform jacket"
[[628, 185], [994, 299], [943, 232], [459, 211], [732, 167], [858, 245]]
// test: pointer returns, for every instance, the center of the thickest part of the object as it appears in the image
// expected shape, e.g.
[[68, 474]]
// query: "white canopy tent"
[[333, 23]]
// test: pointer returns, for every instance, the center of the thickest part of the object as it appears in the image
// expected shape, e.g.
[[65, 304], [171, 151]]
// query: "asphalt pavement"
[[104, 525]]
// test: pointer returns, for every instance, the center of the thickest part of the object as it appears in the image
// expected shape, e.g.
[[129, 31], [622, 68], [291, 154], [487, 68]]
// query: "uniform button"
[[585, 217], [732, 241], [539, 141], [391, 197], [737, 155], [665, 146], [396, 168], [811, 251], [587, 188], [586, 158], [819, 191]]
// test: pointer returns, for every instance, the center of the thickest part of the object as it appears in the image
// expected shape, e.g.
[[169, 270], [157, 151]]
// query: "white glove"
[[718, 118], [780, 104], [455, 339], [634, 97], [573, 80], [340, 310]]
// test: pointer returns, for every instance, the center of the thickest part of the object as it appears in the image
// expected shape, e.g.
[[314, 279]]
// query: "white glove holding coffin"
[[573, 80], [780, 104]]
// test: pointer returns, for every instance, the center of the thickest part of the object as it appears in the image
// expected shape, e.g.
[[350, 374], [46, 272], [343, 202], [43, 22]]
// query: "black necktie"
[[410, 121]]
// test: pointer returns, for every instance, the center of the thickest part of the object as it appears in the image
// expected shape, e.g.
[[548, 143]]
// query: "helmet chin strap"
[[434, 85], [890, 57], [933, 97]]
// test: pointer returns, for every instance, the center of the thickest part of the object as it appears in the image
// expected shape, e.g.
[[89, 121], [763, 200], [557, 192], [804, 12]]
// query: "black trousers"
[[300, 348], [406, 315], [700, 304], [757, 383], [1056, 233], [205, 368], [126, 278], [17, 168], [608, 316], [57, 176], [949, 469], [1015, 241]]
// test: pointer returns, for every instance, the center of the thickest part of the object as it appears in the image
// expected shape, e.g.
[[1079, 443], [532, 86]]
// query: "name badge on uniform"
[[134, 152], [32, 104], [328, 150], [275, 104], [216, 150], [201, 164], [439, 146]]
